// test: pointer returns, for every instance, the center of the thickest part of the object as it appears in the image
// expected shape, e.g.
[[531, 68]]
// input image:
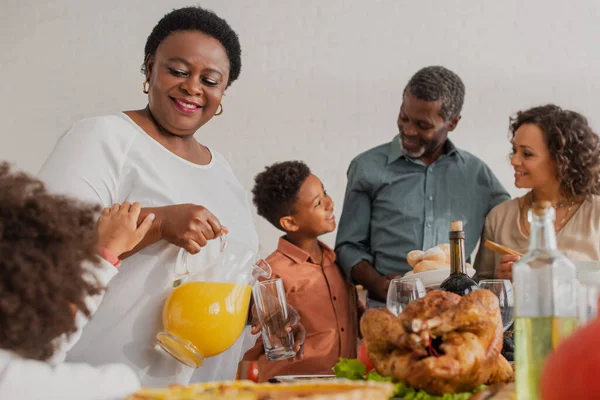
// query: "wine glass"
[[503, 289], [402, 291]]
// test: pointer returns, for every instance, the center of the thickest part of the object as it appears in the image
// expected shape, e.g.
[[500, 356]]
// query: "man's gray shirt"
[[395, 204]]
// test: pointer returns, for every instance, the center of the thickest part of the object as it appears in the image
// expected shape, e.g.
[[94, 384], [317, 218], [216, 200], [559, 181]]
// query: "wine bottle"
[[545, 303], [458, 282]]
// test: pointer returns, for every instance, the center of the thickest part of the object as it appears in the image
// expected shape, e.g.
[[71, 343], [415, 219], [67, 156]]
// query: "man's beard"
[[413, 154]]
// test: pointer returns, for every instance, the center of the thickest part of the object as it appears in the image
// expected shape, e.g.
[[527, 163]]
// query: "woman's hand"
[[118, 230], [504, 267], [189, 226]]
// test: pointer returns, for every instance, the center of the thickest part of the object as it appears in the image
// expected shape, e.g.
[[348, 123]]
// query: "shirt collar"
[[395, 150], [298, 255]]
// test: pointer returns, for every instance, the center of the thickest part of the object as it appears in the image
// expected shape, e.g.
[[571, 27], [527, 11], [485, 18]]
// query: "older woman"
[[151, 156], [557, 156]]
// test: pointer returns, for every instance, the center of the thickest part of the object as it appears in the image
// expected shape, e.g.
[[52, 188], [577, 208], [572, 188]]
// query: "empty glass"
[[503, 289], [272, 311], [402, 291]]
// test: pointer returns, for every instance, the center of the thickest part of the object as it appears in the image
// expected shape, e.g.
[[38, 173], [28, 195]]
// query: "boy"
[[294, 200], [51, 281]]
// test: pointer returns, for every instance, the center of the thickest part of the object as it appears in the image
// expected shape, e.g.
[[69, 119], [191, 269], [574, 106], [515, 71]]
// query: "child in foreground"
[[55, 262]]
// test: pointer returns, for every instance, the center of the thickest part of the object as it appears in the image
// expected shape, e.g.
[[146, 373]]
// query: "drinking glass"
[[503, 289], [272, 312], [402, 291]]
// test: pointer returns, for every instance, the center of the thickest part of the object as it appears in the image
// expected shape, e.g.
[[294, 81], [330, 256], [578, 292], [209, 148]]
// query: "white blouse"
[[110, 160]]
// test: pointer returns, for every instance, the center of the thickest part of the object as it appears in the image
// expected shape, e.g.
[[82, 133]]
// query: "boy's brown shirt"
[[327, 306]]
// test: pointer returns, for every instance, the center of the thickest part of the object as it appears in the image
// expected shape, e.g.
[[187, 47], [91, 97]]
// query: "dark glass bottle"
[[458, 282]]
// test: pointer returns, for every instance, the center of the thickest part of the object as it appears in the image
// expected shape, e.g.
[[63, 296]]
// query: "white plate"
[[435, 277], [296, 378]]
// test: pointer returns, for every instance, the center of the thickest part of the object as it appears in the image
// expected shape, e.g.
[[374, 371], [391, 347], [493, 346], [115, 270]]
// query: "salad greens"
[[355, 370]]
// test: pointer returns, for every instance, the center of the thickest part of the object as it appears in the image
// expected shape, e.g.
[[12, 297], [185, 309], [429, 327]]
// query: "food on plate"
[[363, 357], [428, 265], [438, 256], [441, 343], [414, 257], [499, 391], [246, 390], [435, 258], [446, 249], [355, 370], [437, 253], [572, 370]]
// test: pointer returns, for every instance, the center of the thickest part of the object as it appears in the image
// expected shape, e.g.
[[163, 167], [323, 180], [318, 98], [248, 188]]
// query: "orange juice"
[[211, 315]]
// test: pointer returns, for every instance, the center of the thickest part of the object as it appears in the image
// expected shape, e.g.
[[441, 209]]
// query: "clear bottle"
[[458, 282], [545, 303]]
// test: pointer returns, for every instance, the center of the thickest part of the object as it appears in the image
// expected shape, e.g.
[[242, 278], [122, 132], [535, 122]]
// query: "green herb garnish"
[[355, 370]]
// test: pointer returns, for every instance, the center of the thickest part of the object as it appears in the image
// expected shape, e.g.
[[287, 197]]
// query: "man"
[[401, 196]]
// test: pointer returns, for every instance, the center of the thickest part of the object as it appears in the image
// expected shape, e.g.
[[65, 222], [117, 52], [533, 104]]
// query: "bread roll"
[[429, 265], [446, 249], [414, 257], [435, 254]]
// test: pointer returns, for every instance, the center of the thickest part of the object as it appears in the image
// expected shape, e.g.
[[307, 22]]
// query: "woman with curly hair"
[[557, 156], [51, 281]]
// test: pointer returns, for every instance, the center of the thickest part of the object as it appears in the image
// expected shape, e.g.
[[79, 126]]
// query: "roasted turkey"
[[441, 343]]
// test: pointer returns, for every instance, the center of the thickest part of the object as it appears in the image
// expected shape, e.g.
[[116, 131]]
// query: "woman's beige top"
[[579, 238]]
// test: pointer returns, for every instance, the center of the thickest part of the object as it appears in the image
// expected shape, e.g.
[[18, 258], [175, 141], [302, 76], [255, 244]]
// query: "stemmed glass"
[[402, 291], [503, 289]]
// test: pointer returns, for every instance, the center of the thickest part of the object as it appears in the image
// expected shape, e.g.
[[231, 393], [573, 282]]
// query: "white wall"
[[321, 80]]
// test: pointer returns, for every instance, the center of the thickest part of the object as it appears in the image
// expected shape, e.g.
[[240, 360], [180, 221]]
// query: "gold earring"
[[145, 86], [220, 110]]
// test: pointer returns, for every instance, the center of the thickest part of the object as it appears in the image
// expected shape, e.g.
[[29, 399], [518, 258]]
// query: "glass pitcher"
[[207, 310]]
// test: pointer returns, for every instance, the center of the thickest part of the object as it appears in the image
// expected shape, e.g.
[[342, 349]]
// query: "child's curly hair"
[[573, 145], [276, 190], [44, 239]]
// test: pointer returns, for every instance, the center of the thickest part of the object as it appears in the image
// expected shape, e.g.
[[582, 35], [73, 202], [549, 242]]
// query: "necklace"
[[556, 205], [569, 204]]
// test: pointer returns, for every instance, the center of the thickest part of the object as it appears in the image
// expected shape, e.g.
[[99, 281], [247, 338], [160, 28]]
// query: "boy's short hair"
[[44, 240], [276, 190]]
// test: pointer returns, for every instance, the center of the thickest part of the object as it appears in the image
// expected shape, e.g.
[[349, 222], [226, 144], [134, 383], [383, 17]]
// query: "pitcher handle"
[[222, 242], [262, 269], [182, 275]]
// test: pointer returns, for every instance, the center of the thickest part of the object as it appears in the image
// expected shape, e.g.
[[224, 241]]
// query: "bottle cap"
[[456, 226], [456, 230]]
